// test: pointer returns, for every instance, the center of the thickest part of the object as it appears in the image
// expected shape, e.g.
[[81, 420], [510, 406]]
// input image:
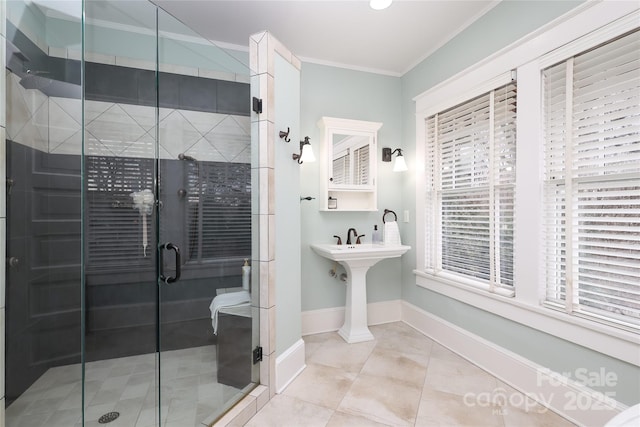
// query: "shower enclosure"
[[129, 238]]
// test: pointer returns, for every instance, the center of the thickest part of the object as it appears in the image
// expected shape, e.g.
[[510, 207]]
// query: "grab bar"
[[170, 279]]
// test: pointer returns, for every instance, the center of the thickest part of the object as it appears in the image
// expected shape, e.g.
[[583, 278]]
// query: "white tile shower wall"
[[64, 122], [26, 119], [260, 166], [262, 47], [124, 61], [53, 125]]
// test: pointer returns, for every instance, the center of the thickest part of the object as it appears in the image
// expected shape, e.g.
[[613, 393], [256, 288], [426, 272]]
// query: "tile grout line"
[[424, 384]]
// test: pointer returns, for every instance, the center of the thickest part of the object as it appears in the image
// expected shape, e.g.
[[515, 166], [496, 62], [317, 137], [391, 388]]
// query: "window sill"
[[605, 339]]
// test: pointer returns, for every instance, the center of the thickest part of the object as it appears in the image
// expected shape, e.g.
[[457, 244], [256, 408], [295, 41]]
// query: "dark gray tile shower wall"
[[43, 309], [111, 83]]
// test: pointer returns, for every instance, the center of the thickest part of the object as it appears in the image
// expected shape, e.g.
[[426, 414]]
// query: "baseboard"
[[331, 319], [321, 321], [289, 365], [572, 400]]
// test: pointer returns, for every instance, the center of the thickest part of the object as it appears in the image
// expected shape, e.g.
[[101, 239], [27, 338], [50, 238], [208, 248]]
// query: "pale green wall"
[[504, 24], [544, 349], [336, 92], [287, 205]]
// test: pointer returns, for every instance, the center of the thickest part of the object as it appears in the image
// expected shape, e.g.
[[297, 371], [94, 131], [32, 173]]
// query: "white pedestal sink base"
[[352, 336], [355, 328]]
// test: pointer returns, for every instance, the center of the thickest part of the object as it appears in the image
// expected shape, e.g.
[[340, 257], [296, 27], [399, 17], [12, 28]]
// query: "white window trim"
[[585, 26]]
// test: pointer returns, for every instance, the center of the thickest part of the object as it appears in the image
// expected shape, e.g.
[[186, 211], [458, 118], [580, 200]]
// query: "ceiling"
[[345, 33]]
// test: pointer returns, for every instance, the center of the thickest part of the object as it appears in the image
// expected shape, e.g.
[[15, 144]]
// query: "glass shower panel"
[[206, 316], [129, 246], [43, 381], [120, 221]]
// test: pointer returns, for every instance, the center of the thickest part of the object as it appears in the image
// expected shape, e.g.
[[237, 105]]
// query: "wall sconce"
[[306, 152], [400, 165]]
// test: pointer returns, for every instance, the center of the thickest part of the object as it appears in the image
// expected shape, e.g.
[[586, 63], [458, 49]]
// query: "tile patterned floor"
[[401, 378], [190, 392]]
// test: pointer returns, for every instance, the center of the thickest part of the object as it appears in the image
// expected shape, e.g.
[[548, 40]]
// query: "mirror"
[[349, 159]]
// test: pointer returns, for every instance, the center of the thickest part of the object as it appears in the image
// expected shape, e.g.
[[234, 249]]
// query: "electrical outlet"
[[405, 216]]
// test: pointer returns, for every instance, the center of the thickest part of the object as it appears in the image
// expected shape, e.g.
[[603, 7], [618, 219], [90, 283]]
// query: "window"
[[219, 211], [592, 182], [470, 170], [596, 135], [351, 160], [214, 224]]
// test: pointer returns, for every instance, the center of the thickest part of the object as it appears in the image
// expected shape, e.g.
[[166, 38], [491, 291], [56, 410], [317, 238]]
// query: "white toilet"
[[630, 417]]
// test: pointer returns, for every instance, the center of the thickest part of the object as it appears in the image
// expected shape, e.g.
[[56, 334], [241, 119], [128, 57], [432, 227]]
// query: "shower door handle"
[[176, 250]]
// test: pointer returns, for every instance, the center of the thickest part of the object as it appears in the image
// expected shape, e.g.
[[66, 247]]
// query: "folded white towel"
[[231, 299], [391, 233]]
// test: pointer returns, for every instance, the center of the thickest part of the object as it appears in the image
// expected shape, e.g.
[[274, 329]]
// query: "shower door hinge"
[[257, 355], [257, 105]]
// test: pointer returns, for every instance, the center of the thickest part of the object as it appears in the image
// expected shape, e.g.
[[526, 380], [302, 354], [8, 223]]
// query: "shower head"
[[35, 80], [183, 156]]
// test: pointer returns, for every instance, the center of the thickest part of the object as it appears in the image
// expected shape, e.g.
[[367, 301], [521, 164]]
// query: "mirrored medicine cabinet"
[[348, 164]]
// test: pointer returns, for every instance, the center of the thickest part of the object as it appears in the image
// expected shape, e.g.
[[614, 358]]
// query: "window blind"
[[470, 165], [341, 168], [219, 210], [361, 167], [592, 183], [113, 225]]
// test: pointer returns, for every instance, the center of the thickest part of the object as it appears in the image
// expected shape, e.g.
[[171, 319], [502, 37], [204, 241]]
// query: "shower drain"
[[108, 417]]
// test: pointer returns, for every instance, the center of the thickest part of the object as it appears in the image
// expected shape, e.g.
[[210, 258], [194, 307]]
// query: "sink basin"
[[357, 259], [365, 251]]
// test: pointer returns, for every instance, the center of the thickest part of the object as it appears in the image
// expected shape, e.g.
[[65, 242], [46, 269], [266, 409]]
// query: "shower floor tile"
[[190, 392]]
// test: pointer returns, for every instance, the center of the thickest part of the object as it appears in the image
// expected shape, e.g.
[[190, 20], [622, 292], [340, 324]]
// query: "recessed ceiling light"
[[380, 4]]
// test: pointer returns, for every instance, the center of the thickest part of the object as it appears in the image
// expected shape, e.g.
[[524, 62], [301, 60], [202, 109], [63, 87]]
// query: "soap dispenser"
[[376, 236], [246, 272]]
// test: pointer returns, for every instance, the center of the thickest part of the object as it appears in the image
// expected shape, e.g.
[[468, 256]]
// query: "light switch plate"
[[405, 216]]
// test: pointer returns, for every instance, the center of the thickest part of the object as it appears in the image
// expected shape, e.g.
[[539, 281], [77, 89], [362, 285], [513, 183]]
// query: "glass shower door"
[[206, 318], [120, 213], [42, 372], [168, 219]]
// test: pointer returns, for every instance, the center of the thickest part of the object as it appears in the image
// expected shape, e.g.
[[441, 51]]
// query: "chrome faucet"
[[355, 234]]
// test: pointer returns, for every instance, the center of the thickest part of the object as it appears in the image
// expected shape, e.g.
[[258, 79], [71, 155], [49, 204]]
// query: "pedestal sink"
[[357, 259]]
